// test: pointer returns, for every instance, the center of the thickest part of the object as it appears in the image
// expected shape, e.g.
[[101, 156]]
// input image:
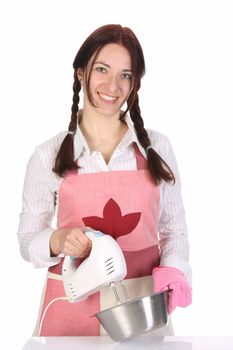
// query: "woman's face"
[[111, 80]]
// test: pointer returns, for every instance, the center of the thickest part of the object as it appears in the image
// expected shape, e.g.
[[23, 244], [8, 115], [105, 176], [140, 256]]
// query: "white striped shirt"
[[41, 184]]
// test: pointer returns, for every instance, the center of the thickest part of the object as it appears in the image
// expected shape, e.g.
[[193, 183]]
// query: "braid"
[[75, 108], [65, 157], [158, 168]]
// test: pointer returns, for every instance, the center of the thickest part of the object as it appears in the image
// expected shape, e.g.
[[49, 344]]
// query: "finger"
[[70, 251], [76, 237], [173, 299], [74, 251], [86, 228], [83, 239], [69, 248]]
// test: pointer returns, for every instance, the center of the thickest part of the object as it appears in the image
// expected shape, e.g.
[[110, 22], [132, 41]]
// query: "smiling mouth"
[[107, 97]]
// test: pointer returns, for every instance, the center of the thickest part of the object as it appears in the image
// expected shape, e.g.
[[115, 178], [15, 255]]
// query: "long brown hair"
[[91, 47]]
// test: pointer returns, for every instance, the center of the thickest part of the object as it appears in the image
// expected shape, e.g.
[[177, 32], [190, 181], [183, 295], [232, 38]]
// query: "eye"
[[101, 69], [127, 76]]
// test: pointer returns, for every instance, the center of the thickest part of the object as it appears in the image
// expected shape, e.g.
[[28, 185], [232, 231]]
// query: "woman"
[[110, 174]]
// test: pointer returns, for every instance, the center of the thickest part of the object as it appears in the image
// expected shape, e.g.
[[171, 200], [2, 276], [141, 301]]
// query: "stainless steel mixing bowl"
[[135, 317]]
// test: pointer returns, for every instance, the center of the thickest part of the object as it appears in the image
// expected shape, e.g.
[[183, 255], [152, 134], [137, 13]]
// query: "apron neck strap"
[[140, 159]]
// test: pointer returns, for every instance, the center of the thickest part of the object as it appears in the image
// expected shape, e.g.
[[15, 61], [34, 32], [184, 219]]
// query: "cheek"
[[127, 88], [95, 84], [96, 79]]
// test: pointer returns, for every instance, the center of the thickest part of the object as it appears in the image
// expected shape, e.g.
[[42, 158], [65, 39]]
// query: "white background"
[[186, 94]]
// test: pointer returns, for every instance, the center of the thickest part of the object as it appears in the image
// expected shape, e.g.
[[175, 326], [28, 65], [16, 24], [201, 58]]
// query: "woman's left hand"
[[172, 279]]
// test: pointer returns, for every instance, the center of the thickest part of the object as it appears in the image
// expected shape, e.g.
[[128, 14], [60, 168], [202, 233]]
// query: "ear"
[[80, 74]]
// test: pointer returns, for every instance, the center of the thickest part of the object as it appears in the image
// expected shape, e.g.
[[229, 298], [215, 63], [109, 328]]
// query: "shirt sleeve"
[[173, 236], [38, 208]]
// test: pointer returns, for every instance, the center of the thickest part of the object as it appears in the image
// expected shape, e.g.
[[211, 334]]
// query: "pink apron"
[[123, 204]]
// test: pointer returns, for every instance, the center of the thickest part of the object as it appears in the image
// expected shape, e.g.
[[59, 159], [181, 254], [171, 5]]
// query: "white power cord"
[[46, 309]]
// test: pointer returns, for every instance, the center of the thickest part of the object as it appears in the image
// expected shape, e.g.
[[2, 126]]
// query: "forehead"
[[114, 55]]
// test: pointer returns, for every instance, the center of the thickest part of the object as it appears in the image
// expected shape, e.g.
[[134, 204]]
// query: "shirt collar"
[[131, 136], [80, 143]]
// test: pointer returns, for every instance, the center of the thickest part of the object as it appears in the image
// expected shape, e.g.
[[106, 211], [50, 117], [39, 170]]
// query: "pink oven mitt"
[[172, 279]]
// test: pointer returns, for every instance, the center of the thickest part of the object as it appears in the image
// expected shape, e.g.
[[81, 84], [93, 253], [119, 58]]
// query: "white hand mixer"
[[105, 265]]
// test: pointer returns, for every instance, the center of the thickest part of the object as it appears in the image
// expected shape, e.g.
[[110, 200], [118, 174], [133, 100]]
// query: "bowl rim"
[[131, 301]]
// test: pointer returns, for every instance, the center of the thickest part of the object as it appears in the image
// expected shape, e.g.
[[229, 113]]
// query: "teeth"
[[107, 98]]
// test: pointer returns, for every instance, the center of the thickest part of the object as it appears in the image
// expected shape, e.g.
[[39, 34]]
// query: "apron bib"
[[123, 204]]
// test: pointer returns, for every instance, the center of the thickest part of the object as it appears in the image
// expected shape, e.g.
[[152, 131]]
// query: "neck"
[[101, 127]]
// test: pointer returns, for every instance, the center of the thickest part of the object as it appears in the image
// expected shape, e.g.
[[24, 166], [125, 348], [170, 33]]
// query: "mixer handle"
[[92, 234]]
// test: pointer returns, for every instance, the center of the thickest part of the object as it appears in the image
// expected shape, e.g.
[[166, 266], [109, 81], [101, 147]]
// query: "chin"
[[108, 112]]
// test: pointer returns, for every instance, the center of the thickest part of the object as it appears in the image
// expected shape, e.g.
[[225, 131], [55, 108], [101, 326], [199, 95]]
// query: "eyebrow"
[[107, 65]]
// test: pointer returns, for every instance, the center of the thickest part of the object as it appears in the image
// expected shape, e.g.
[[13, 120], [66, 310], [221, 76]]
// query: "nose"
[[113, 83]]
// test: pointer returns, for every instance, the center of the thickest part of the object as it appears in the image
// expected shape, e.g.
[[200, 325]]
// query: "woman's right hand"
[[70, 241]]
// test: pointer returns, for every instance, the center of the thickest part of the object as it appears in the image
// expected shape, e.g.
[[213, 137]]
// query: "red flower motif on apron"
[[113, 222]]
